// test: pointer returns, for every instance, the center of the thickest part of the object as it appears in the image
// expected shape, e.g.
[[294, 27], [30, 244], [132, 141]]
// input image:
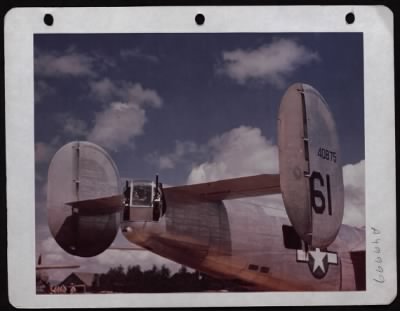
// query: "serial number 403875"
[[327, 154]]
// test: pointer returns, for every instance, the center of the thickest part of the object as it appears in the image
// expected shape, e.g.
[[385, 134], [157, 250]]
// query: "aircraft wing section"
[[229, 188], [104, 205]]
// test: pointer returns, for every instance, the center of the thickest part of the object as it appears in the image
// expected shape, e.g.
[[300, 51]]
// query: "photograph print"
[[212, 162]]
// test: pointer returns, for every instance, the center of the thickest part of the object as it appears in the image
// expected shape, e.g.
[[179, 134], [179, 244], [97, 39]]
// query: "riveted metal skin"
[[310, 166], [81, 171]]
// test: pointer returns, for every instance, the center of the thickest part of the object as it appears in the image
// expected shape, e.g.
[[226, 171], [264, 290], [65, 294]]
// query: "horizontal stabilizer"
[[229, 188], [105, 205], [114, 248], [56, 267]]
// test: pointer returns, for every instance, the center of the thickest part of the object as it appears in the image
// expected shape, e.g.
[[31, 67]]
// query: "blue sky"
[[191, 107]]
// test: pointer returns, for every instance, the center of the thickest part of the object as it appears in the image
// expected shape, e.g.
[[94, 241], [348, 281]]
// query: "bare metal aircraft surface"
[[208, 226]]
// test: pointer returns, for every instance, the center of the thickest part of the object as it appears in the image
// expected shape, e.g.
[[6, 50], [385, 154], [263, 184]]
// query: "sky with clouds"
[[191, 107]]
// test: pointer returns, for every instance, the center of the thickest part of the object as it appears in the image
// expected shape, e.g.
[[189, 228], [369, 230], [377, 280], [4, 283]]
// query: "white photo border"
[[376, 24]]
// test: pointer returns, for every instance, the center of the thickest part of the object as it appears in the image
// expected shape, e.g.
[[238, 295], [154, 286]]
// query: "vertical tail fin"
[[310, 168]]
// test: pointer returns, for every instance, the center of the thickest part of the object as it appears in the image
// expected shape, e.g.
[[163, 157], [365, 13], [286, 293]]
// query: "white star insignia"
[[318, 259]]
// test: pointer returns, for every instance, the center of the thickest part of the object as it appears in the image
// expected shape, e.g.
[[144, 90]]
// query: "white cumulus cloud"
[[102, 89], [105, 90], [66, 63], [117, 125], [124, 118], [242, 151], [270, 63], [354, 194], [71, 63]]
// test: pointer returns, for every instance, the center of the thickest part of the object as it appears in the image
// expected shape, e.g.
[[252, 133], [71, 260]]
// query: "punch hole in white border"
[[376, 24]]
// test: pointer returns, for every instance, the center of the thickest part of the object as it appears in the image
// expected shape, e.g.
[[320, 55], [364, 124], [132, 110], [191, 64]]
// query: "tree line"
[[156, 280]]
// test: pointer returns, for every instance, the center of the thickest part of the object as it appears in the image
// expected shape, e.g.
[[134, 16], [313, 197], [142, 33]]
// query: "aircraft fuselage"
[[241, 242]]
